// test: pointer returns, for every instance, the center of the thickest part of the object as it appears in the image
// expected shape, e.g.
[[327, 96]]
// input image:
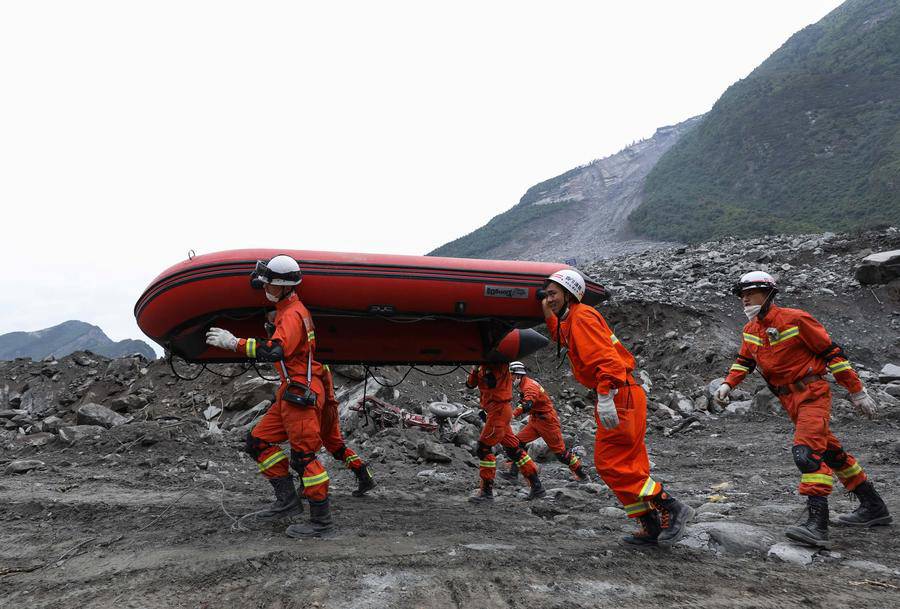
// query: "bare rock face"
[[590, 205]]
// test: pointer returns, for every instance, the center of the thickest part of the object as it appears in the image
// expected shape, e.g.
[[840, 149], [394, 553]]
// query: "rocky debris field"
[[123, 485]]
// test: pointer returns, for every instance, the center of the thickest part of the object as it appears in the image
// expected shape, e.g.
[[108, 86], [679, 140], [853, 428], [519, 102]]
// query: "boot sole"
[[642, 543], [875, 522], [310, 535], [274, 517], [671, 541], [798, 536]]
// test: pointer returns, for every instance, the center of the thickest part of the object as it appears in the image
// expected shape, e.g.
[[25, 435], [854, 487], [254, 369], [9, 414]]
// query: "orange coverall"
[[495, 384], [793, 351], [600, 362], [543, 422], [330, 424], [295, 333]]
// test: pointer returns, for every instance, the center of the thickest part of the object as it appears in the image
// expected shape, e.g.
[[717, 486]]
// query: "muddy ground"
[[119, 524]]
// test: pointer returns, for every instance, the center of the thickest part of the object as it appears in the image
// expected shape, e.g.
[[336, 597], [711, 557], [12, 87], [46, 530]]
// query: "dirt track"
[[128, 537]]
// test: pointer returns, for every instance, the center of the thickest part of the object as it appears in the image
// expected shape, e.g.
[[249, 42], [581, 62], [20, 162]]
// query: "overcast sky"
[[133, 132]]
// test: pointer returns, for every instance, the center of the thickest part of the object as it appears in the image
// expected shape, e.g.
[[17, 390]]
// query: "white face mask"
[[752, 311], [272, 298]]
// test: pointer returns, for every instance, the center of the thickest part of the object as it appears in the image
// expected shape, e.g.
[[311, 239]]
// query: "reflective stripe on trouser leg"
[[315, 481], [816, 483], [810, 411], [273, 463], [852, 475], [620, 455], [487, 467], [633, 510]]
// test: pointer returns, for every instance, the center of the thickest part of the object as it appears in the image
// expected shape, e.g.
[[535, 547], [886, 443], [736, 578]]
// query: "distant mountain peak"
[[68, 337]]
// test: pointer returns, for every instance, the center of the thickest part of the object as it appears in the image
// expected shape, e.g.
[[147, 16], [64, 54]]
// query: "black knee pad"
[[299, 461], [807, 461], [835, 458], [512, 452], [483, 450], [340, 453], [254, 447]]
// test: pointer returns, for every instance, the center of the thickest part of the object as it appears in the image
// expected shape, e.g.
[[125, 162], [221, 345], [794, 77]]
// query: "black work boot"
[[537, 489], [674, 517], [581, 475], [511, 473], [320, 522], [365, 480], [814, 532], [484, 494], [648, 530], [287, 501], [871, 511]]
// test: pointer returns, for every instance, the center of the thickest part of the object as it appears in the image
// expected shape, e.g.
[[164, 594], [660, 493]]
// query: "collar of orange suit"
[[284, 302]]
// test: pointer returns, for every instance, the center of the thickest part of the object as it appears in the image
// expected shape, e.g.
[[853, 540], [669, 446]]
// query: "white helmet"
[[754, 280], [280, 270], [571, 280], [517, 368]]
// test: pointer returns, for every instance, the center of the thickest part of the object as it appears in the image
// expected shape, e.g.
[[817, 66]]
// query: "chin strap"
[[766, 305]]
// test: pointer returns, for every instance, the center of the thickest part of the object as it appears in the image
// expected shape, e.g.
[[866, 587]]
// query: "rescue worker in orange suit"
[[330, 429], [294, 416], [333, 439], [602, 363], [793, 352], [495, 385], [543, 422]]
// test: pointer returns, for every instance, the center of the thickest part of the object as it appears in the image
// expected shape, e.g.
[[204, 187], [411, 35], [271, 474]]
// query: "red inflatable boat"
[[368, 308]]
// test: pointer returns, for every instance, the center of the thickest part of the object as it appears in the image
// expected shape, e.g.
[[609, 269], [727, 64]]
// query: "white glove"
[[606, 410], [864, 404], [223, 339], [721, 394]]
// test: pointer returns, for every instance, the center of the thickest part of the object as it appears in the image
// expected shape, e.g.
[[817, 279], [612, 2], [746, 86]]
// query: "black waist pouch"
[[299, 394]]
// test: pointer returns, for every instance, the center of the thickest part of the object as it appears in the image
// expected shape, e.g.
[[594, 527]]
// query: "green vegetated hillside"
[[809, 141]]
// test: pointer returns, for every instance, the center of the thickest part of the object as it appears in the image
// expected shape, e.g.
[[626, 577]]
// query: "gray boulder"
[[75, 434], [889, 373], [881, 267], [250, 392], [432, 451], [23, 466], [791, 553], [736, 538], [738, 408], [97, 414], [36, 439]]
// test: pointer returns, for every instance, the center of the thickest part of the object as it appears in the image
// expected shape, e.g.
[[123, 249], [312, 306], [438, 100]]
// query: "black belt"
[[796, 385]]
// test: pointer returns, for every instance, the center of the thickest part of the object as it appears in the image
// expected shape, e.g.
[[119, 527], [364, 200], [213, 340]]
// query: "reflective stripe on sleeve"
[[740, 368], [250, 349]]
